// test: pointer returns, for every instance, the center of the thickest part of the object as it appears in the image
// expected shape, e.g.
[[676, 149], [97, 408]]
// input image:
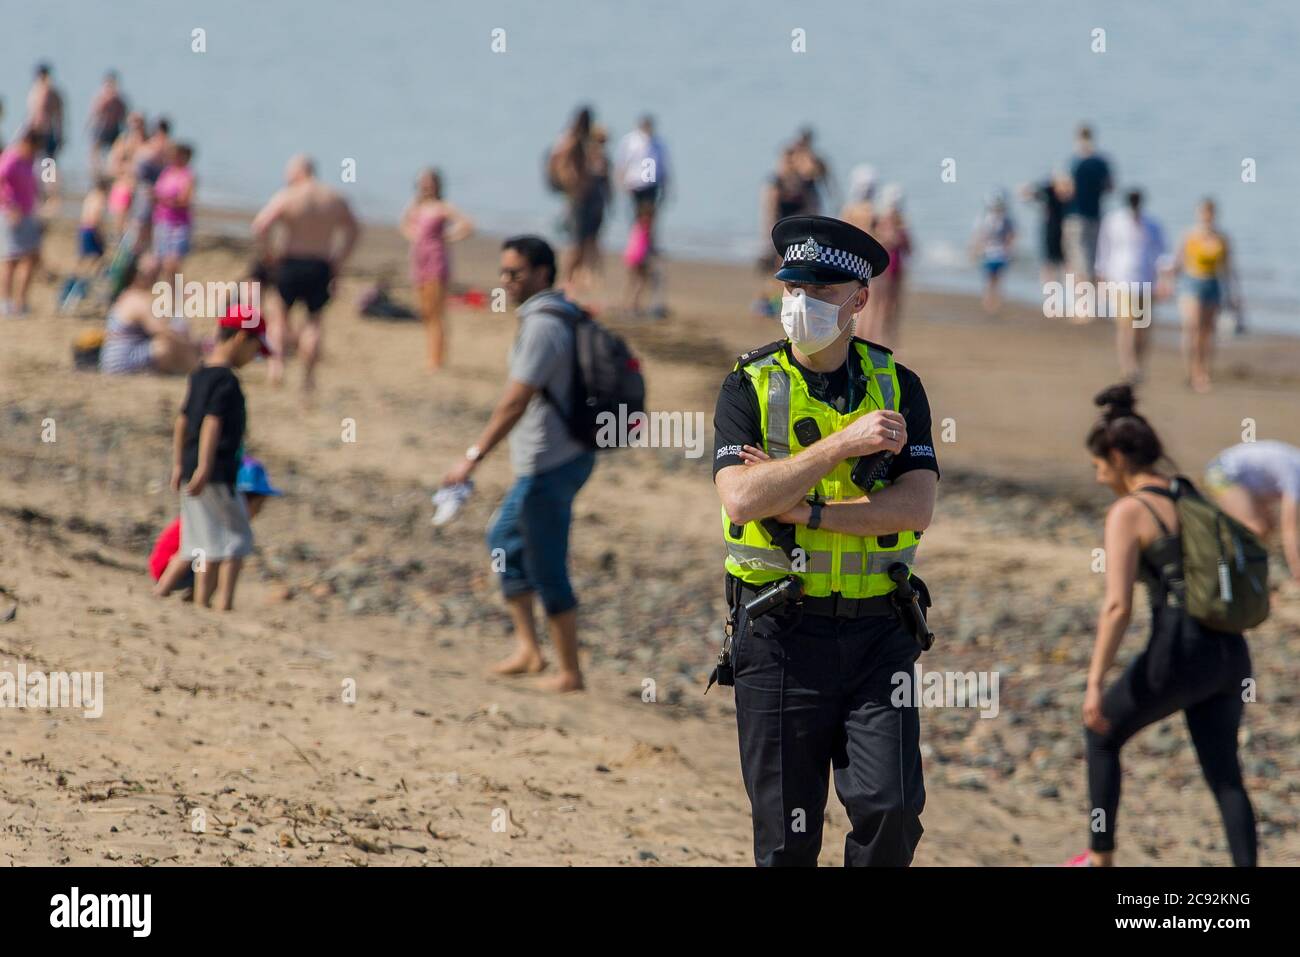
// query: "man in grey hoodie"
[[528, 536]]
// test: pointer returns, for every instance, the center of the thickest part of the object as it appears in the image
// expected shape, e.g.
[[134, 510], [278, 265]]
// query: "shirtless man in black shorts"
[[319, 235]]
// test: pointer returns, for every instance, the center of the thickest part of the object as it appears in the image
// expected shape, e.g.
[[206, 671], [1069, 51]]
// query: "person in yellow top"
[[825, 467], [1205, 274]]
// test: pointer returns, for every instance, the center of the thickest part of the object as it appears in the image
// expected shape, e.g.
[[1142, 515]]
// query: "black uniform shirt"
[[737, 420]]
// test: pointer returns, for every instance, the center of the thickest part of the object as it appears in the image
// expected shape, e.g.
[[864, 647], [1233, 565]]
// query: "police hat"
[[822, 250]]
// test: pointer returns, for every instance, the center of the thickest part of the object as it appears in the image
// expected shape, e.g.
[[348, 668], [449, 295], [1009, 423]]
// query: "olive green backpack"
[[1225, 566]]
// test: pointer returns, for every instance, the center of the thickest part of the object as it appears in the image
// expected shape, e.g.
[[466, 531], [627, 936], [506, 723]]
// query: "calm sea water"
[[1182, 94]]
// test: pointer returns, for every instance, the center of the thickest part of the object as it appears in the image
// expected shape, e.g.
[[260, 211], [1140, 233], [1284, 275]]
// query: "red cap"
[[252, 323]]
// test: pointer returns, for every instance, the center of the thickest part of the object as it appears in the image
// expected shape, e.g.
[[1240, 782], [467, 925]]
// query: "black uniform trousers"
[[814, 692]]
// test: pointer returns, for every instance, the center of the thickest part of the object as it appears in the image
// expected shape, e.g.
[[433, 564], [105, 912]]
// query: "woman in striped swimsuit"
[[135, 340]]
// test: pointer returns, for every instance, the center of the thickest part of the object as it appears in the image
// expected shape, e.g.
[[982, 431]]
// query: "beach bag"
[[1225, 566], [374, 302], [607, 379], [85, 349]]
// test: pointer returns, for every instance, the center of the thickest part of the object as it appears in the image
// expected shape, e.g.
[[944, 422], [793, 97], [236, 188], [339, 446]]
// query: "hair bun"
[[1116, 401]]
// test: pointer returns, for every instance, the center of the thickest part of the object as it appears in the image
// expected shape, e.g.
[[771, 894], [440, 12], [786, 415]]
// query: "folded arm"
[[753, 492], [906, 505], [765, 487]]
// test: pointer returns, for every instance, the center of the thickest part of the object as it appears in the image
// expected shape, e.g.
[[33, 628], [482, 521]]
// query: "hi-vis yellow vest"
[[855, 566]]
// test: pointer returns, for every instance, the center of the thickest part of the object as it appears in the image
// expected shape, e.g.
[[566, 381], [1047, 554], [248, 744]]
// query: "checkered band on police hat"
[[812, 252]]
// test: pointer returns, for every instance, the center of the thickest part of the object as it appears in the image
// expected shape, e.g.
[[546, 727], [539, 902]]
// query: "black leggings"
[[1183, 669]]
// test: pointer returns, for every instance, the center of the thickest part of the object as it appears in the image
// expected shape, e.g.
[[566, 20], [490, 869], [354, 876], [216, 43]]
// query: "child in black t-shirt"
[[209, 431], [171, 576]]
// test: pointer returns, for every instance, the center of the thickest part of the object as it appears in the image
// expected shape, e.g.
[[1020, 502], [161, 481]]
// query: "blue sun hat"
[[252, 479]]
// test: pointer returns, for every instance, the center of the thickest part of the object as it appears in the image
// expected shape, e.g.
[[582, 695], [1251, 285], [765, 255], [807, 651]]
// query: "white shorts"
[[215, 522]]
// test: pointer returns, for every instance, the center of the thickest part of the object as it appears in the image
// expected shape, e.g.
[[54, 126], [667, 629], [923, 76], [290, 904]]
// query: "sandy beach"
[[239, 722]]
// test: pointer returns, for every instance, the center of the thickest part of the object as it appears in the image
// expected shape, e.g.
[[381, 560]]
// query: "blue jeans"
[[530, 532]]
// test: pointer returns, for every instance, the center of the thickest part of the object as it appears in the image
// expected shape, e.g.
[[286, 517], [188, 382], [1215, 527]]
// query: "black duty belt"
[[834, 605]]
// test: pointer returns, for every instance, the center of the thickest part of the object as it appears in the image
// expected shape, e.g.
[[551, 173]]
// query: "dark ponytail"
[[1120, 429]]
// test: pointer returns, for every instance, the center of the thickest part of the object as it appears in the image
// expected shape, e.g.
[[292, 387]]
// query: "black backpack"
[[606, 375]]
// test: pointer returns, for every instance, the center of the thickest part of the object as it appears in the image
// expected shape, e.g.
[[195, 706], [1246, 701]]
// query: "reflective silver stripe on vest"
[[819, 563], [884, 379], [757, 558], [778, 414], [878, 562]]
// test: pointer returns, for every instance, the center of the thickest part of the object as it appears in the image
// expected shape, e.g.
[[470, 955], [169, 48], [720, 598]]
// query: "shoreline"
[[231, 223]]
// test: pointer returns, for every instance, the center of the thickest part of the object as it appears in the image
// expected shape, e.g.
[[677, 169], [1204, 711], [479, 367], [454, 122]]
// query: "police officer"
[[826, 470]]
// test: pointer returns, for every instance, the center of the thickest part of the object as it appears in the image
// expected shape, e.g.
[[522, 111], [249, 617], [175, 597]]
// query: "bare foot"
[[520, 663], [564, 683]]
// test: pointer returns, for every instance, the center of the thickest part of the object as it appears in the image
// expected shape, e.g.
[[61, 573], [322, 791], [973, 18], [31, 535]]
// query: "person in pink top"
[[637, 256], [173, 198], [430, 223], [20, 231], [121, 167]]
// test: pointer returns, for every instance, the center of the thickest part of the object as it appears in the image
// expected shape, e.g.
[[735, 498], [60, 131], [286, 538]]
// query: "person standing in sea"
[[786, 193], [107, 115], [45, 112], [1053, 195], [578, 168], [1093, 179]]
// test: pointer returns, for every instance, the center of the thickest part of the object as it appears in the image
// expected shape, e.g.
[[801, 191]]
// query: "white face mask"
[[812, 324]]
